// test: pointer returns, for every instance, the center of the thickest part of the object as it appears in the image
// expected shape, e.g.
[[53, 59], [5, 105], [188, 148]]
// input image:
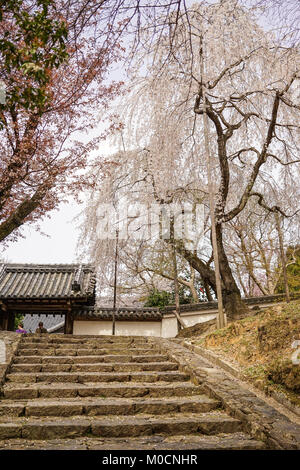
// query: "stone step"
[[118, 426], [102, 391], [91, 359], [60, 338], [97, 367], [63, 377], [234, 441], [91, 345], [103, 406], [126, 390], [84, 352]]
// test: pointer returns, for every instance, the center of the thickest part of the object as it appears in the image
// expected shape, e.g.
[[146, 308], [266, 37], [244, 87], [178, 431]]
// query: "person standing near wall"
[[41, 328], [20, 328]]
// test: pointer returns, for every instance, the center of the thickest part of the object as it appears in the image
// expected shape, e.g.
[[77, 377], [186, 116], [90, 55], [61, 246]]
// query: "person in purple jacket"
[[20, 328]]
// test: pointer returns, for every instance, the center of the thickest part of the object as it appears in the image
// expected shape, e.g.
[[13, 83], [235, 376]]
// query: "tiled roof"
[[30, 281], [31, 322], [191, 307], [214, 305], [123, 313]]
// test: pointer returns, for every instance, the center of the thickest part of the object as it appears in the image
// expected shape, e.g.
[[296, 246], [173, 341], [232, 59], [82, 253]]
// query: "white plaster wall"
[[195, 317], [90, 327], [167, 328], [123, 328], [169, 323], [138, 328]]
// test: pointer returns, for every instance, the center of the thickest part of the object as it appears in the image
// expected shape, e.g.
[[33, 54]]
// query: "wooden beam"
[[4, 320], [37, 308], [11, 322]]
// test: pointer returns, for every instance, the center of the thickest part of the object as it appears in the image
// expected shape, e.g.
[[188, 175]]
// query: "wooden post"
[[69, 322], [11, 321], [1, 320], [115, 286], [180, 322], [176, 291], [5, 321], [3, 316]]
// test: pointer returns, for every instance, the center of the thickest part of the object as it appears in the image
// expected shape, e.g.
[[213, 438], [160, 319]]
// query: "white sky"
[[58, 247], [57, 238]]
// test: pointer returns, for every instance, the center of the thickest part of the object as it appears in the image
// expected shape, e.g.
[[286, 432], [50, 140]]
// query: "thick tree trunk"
[[207, 291], [194, 293], [234, 306], [283, 258], [25, 208]]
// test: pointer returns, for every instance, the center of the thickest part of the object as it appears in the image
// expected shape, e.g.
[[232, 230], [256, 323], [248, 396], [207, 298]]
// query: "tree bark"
[[24, 209], [233, 304], [207, 291], [283, 258]]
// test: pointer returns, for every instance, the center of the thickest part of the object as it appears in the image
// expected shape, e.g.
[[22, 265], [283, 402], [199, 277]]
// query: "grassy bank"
[[261, 345]]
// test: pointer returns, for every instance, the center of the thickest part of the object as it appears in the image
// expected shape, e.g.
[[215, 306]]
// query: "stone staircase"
[[87, 392]]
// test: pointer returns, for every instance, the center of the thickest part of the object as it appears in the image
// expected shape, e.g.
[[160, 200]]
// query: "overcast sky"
[[58, 247], [62, 230]]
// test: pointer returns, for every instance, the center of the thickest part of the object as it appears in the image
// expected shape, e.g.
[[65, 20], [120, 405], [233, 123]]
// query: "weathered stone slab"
[[113, 391], [65, 383], [186, 425], [53, 377], [9, 345], [37, 352], [258, 418], [125, 429], [159, 407], [109, 408], [103, 377], [2, 351], [199, 406], [90, 352], [20, 393], [92, 367], [26, 368], [50, 430], [134, 390], [21, 378], [151, 366], [10, 430], [149, 358], [53, 409], [63, 352], [236, 441], [49, 392], [11, 409], [26, 345], [27, 360], [56, 367]]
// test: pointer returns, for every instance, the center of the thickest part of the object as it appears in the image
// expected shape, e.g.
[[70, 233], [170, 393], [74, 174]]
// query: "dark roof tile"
[[122, 314], [46, 281]]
